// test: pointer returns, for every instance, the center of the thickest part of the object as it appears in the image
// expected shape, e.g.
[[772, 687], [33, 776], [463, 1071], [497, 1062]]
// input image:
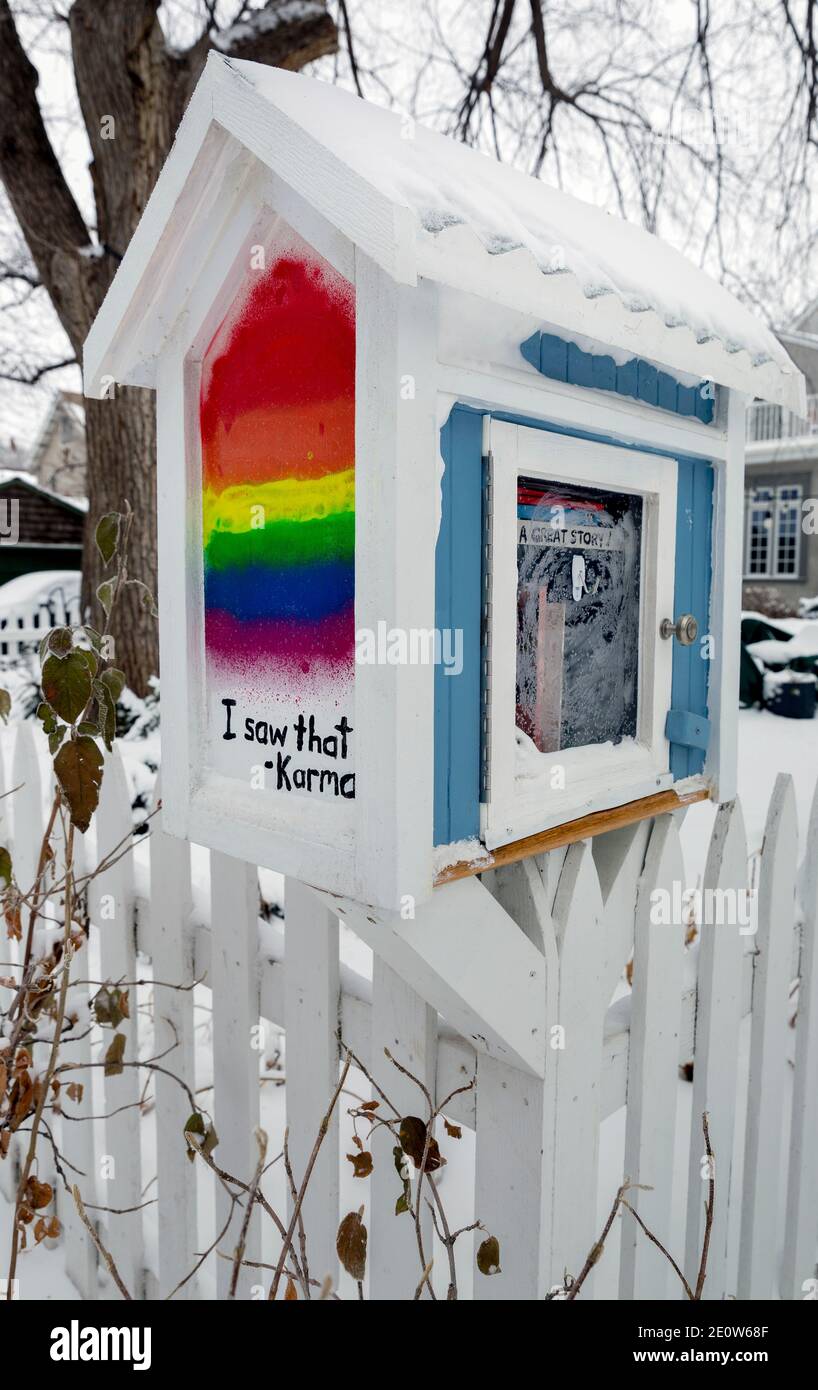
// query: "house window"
[[773, 532]]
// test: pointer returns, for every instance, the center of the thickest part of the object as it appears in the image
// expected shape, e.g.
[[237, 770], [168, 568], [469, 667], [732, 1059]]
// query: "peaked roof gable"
[[420, 204]]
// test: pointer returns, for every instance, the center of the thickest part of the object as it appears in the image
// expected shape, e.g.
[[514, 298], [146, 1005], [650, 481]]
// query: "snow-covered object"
[[438, 269], [27, 594], [775, 653], [775, 681], [420, 204]]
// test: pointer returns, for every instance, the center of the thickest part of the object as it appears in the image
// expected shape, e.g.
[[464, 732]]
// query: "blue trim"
[[565, 361], [694, 515], [686, 729], [458, 587]]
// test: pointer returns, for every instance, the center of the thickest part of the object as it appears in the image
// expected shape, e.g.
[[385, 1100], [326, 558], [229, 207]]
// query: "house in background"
[[39, 530], [781, 474], [57, 456], [42, 494]]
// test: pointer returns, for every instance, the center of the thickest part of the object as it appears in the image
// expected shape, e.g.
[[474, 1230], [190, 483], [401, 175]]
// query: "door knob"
[[685, 629]]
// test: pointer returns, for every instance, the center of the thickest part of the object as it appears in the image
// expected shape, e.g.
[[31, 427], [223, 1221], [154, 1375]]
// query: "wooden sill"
[[597, 823]]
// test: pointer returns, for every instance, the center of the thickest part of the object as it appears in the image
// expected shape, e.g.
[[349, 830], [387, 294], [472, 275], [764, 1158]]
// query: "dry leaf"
[[412, 1136], [290, 1293], [38, 1194], [350, 1244], [453, 1131], [114, 1055], [361, 1164], [488, 1256]]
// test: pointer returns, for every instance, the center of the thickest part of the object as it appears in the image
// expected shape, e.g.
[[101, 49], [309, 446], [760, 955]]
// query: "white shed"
[[450, 494]]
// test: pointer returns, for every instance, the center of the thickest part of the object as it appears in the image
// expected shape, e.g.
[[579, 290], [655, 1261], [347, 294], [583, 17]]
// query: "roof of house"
[[420, 204], [61, 402], [29, 483]]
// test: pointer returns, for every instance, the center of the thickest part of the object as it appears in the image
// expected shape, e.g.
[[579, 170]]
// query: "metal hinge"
[[485, 632]]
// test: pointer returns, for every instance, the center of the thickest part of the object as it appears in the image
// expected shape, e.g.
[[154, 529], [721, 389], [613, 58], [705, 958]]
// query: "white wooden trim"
[[800, 1259], [395, 532], [469, 960], [714, 1077], [772, 968], [725, 606], [311, 1015], [515, 807], [653, 1062], [524, 391], [234, 984], [402, 1022]]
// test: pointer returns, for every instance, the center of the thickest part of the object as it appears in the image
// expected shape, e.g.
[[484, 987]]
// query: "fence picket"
[[234, 983], [77, 1126], [800, 1262], [653, 1063], [768, 1062], [404, 1024], [111, 910], [311, 1014], [716, 1054], [580, 1012], [514, 1152], [173, 1041], [10, 948], [27, 828]]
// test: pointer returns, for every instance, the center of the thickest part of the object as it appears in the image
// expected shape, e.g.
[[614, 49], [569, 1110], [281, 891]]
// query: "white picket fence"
[[23, 625], [479, 980]]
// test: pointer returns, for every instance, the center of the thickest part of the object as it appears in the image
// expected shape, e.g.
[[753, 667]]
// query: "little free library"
[[404, 389]]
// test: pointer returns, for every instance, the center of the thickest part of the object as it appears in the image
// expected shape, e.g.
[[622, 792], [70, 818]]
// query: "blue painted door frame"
[[458, 604]]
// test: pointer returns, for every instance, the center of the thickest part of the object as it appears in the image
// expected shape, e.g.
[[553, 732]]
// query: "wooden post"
[[311, 1021], [173, 1035], [111, 910], [716, 1056], [404, 1024], [234, 981]]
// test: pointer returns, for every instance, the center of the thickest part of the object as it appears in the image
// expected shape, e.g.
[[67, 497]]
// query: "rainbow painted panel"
[[277, 419]]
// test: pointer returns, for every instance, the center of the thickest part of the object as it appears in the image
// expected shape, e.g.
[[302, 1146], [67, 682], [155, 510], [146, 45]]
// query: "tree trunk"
[[132, 92], [121, 444]]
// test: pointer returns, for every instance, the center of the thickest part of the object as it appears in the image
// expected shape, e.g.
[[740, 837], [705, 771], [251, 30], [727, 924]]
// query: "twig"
[[261, 1140], [424, 1279], [106, 1255], [324, 1126], [302, 1235], [711, 1201], [656, 1241], [597, 1248], [208, 1251]]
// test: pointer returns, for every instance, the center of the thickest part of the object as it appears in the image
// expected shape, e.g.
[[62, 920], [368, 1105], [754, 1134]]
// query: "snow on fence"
[[24, 622], [565, 925]]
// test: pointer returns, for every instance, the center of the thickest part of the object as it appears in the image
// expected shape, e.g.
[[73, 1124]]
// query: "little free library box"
[[450, 483]]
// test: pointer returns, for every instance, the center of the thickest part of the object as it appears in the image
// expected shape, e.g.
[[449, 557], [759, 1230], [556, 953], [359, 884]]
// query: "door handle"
[[685, 629]]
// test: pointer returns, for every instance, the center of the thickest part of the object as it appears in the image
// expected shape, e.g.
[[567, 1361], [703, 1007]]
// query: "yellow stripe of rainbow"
[[288, 499]]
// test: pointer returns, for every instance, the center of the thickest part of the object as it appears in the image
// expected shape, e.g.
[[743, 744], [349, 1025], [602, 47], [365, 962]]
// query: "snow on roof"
[[421, 204], [18, 475]]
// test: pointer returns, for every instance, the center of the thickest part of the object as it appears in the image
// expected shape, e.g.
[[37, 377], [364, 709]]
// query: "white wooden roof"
[[420, 204]]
